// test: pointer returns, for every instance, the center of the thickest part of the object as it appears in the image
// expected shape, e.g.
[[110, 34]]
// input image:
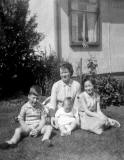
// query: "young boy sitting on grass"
[[32, 121]]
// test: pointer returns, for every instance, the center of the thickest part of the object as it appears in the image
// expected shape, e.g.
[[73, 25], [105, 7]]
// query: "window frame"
[[74, 11]]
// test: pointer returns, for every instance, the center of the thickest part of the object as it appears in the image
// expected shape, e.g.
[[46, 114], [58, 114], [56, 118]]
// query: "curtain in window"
[[92, 22], [84, 20], [87, 23]]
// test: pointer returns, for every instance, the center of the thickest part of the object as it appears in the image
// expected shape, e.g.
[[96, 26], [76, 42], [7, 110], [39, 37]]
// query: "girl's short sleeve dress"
[[88, 122]]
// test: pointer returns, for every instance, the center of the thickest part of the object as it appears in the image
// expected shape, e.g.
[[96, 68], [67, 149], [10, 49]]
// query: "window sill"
[[79, 44]]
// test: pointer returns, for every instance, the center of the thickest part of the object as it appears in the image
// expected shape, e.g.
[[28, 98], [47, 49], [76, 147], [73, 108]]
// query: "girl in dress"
[[91, 116]]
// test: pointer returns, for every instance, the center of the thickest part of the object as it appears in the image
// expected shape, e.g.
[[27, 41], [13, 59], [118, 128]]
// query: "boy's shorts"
[[48, 120], [31, 127], [42, 131]]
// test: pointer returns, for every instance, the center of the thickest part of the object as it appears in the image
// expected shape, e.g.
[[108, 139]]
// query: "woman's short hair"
[[68, 66]]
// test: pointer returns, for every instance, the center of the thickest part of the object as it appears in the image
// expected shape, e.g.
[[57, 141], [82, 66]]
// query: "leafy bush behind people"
[[106, 86], [46, 72]]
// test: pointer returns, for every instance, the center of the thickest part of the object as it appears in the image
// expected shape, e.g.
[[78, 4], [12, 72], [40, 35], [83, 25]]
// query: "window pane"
[[84, 27], [74, 27], [84, 5], [92, 24], [84, 22], [78, 27], [77, 4], [74, 4]]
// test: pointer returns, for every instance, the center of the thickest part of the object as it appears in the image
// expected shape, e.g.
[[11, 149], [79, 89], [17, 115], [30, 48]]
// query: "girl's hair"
[[68, 66], [91, 80], [88, 79]]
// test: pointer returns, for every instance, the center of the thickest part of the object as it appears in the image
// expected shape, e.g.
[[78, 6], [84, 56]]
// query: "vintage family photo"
[[61, 79]]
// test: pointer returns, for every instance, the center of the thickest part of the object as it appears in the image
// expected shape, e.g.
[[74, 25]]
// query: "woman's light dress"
[[60, 90]]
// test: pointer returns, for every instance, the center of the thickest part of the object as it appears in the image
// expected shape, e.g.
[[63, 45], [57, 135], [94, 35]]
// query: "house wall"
[[109, 54], [53, 21], [45, 12]]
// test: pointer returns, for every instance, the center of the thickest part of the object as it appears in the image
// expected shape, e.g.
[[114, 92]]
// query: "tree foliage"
[[18, 37]]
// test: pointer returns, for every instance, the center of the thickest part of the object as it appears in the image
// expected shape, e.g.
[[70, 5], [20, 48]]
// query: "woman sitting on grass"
[[91, 116], [66, 87]]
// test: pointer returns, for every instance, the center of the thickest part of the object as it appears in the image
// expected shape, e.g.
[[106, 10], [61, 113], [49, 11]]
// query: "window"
[[84, 22]]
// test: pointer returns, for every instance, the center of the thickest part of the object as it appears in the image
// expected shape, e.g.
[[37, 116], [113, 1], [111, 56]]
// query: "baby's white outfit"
[[64, 118]]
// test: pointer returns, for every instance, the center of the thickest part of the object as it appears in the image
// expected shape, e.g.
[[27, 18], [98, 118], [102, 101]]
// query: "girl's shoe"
[[114, 123]]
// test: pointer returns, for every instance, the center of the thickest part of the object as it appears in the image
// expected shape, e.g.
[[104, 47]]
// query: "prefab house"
[[80, 29]]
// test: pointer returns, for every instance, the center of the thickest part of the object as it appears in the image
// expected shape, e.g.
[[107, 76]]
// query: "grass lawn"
[[81, 145]]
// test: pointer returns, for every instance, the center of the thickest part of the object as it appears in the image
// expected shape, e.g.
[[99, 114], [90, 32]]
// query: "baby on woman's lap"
[[65, 118]]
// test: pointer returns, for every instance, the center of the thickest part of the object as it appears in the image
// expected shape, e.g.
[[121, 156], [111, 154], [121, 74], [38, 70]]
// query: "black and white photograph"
[[61, 79]]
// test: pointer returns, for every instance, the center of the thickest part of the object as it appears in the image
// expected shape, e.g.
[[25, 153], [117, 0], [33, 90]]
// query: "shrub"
[[53, 75], [45, 72]]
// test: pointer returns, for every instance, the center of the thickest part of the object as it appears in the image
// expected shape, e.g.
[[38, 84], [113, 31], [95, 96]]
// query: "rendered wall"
[[53, 20], [109, 54], [45, 11]]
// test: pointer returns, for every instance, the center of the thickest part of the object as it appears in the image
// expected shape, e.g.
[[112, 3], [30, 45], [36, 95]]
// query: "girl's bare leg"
[[98, 131]]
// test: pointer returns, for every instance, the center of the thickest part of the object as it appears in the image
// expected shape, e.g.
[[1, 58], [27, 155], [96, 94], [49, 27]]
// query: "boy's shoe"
[[6, 145], [48, 143]]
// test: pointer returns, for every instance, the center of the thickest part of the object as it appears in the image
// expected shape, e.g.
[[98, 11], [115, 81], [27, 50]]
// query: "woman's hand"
[[53, 122], [103, 117]]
